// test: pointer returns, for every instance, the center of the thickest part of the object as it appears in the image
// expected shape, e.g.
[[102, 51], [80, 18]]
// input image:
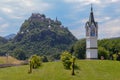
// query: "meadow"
[[87, 70]]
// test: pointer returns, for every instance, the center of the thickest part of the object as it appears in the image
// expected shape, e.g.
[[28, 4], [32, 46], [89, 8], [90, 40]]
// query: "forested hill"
[[40, 35], [3, 40], [106, 47]]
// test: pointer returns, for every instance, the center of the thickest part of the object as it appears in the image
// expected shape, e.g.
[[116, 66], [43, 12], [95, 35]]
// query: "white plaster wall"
[[91, 42], [92, 53]]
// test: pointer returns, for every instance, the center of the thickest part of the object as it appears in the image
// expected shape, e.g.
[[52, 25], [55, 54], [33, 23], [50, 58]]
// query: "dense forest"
[[107, 48], [111, 47]]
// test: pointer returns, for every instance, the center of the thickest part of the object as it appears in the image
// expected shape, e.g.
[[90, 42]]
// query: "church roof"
[[91, 17]]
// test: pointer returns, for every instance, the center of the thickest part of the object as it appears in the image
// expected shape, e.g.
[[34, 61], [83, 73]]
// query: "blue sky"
[[72, 13]]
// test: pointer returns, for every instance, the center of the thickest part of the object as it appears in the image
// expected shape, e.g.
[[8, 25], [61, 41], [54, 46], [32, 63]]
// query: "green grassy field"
[[88, 70]]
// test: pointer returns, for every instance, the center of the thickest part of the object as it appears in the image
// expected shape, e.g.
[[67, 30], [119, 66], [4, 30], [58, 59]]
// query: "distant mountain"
[[3, 40], [115, 38], [10, 36], [42, 36]]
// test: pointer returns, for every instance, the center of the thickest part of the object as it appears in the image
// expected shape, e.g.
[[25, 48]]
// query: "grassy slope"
[[12, 60], [88, 70]]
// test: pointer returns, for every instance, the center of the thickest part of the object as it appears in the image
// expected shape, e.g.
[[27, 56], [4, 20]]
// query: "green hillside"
[[39, 35], [88, 70], [9, 59]]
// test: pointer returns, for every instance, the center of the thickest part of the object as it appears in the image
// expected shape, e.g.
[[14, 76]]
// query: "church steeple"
[[91, 37], [91, 18]]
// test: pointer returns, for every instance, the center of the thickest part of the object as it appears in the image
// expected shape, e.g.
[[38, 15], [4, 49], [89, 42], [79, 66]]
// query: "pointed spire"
[[91, 18], [91, 8]]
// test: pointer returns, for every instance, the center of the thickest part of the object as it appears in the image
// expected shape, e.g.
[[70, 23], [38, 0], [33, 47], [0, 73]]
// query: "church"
[[91, 37]]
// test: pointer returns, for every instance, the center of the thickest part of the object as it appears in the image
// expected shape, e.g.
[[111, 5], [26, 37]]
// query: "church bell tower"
[[91, 37]]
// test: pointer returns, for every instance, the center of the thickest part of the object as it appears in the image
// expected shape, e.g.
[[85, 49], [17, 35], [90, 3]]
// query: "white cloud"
[[114, 0], [110, 29], [22, 7], [3, 26], [83, 1], [32, 5], [15, 17], [80, 5], [27, 3], [15, 12], [79, 32], [86, 2], [6, 10], [103, 19]]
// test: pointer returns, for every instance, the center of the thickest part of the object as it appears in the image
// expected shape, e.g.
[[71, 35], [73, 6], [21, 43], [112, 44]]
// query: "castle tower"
[[91, 37]]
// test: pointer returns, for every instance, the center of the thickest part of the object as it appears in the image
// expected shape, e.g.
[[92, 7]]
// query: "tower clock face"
[[92, 30]]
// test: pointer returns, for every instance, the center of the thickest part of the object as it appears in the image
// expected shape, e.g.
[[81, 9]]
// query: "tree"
[[102, 52], [20, 54], [112, 45], [78, 49], [30, 70], [73, 65], [66, 59], [35, 61]]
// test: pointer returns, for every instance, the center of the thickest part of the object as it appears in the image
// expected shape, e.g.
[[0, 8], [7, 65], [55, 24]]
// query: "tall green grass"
[[87, 70]]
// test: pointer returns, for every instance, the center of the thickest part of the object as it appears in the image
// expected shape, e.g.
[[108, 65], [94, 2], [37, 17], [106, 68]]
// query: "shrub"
[[66, 59], [102, 52], [44, 59], [78, 49], [118, 57], [35, 61], [115, 57]]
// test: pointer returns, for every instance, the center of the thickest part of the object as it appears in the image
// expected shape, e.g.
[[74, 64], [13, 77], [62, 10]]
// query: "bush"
[[102, 52], [35, 61], [66, 59], [44, 59], [79, 49], [118, 57], [114, 57]]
